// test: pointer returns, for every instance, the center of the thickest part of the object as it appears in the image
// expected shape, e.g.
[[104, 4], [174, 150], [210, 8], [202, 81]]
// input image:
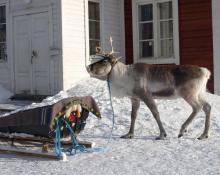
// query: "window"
[[94, 26], [154, 31], [2, 33], [165, 20], [146, 38]]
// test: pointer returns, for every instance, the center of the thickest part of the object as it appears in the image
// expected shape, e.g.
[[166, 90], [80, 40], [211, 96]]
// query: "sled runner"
[[51, 123], [30, 153], [44, 146]]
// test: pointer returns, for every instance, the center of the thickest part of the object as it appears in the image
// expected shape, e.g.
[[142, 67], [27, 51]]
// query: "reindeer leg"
[[135, 106], [207, 110], [149, 101], [196, 106]]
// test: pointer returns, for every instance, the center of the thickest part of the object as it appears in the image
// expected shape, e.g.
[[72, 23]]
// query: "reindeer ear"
[[98, 50], [112, 59]]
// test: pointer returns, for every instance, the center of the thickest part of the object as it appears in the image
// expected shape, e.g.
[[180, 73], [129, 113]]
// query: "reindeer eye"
[[105, 61]]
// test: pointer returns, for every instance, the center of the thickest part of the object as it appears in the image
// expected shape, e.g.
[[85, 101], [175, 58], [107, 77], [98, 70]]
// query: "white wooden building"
[[44, 44]]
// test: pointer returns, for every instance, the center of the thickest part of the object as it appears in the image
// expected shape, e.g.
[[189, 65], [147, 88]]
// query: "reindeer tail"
[[205, 78], [206, 72]]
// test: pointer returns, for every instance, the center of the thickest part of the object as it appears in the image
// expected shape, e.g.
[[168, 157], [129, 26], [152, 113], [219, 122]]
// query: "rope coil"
[[76, 147]]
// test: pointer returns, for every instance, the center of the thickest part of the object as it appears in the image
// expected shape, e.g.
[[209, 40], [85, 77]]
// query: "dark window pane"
[[94, 30], [146, 49], [166, 47], [94, 12], [166, 29], [94, 26], [2, 51], [165, 10], [2, 33], [146, 12], [92, 45], [2, 14], [146, 31]]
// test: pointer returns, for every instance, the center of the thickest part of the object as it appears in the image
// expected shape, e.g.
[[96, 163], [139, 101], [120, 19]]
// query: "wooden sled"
[[45, 144], [66, 117]]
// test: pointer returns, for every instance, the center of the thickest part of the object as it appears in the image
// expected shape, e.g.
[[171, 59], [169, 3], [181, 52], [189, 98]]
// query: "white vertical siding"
[[216, 44], [56, 43], [5, 75], [74, 25], [112, 25], [73, 38]]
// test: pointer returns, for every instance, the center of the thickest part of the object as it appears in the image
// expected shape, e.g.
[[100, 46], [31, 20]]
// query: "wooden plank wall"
[[195, 30], [128, 31]]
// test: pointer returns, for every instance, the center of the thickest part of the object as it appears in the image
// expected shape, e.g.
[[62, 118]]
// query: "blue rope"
[[113, 112], [106, 147], [57, 140], [75, 145]]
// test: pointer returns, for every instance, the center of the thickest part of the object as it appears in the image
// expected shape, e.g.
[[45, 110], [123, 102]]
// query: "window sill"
[[170, 60]]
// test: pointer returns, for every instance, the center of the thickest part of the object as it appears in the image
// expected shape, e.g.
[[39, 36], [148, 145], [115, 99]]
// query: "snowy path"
[[141, 155]]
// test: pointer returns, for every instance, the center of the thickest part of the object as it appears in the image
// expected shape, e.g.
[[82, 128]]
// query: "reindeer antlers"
[[106, 54], [100, 52], [111, 43]]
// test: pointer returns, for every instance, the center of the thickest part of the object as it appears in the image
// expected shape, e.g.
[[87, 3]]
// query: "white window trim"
[[216, 42], [172, 60]]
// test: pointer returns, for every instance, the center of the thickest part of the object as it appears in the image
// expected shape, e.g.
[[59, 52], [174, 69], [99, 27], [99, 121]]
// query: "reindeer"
[[145, 82]]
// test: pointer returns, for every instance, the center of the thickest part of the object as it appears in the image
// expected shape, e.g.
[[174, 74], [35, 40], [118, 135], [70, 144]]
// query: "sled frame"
[[45, 143]]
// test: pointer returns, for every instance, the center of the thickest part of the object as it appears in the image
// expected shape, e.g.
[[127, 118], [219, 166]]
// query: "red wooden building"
[[172, 32]]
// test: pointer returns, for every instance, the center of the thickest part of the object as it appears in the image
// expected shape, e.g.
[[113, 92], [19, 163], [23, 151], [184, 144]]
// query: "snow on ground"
[[141, 155]]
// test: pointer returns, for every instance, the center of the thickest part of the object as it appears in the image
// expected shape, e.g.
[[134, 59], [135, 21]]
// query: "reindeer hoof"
[[181, 132], [127, 136], [180, 135], [161, 137], [203, 136]]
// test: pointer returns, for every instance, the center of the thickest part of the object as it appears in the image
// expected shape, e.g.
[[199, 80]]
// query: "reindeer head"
[[102, 63], [102, 67]]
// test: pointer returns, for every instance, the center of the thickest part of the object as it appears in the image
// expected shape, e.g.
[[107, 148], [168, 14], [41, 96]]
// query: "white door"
[[31, 53]]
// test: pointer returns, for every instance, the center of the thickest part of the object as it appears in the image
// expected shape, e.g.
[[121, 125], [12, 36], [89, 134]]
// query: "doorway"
[[31, 54]]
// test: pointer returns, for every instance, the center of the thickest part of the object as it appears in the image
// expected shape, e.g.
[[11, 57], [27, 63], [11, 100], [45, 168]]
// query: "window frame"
[[136, 46], [4, 60], [100, 24]]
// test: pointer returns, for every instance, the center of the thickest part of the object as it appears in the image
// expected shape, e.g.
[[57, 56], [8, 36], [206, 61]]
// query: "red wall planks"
[[195, 30], [128, 31]]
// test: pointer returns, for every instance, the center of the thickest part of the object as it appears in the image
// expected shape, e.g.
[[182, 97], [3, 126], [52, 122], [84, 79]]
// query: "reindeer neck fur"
[[121, 80], [119, 70]]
